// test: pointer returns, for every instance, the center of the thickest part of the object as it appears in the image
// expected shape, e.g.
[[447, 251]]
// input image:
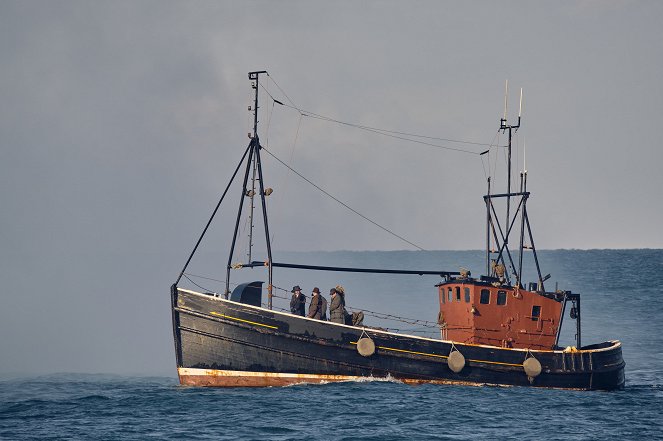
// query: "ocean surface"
[[622, 298]]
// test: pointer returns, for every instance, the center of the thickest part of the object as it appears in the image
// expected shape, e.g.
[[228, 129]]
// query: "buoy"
[[366, 347], [456, 361], [532, 367]]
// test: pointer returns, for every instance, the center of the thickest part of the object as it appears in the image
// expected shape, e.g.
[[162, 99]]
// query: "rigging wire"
[[270, 113], [379, 315], [244, 241], [493, 144], [201, 287], [385, 132], [269, 118], [207, 278], [284, 94], [496, 157], [343, 203], [284, 179], [394, 134]]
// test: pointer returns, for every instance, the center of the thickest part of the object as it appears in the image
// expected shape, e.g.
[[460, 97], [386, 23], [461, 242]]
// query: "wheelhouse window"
[[467, 295], [485, 296], [536, 313], [450, 294], [458, 293], [501, 297]]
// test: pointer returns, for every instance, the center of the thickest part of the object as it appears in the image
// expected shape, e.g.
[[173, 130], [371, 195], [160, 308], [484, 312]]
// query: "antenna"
[[520, 110]]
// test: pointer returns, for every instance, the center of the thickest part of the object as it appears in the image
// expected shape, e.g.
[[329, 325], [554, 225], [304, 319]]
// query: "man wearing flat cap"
[[314, 308], [298, 301]]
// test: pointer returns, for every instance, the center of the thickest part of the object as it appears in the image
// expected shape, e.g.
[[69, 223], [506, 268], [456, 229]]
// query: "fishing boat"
[[492, 330]]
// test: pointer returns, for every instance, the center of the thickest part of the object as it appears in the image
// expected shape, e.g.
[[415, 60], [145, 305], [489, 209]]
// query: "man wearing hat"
[[336, 310], [298, 301], [314, 308]]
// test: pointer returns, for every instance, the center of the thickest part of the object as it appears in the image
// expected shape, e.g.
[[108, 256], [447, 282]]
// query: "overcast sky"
[[121, 122]]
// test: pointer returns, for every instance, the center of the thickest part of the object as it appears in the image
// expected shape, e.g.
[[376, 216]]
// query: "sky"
[[121, 123]]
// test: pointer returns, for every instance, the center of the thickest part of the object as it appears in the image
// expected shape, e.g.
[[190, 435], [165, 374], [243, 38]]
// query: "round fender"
[[456, 361], [366, 347], [532, 367]]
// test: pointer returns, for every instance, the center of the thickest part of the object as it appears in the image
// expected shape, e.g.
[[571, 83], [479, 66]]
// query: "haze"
[[121, 122]]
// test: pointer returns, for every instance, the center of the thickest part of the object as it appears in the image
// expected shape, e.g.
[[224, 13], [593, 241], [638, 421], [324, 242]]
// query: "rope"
[[195, 248], [269, 117], [486, 174], [410, 321], [344, 204], [422, 323], [284, 94], [201, 287], [385, 132], [494, 165], [395, 134], [284, 181], [208, 278]]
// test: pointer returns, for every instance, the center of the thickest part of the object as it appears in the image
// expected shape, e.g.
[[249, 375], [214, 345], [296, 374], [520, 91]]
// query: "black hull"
[[224, 343]]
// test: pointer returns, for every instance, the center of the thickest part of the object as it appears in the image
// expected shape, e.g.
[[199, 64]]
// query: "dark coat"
[[315, 307], [336, 310], [298, 304], [323, 308]]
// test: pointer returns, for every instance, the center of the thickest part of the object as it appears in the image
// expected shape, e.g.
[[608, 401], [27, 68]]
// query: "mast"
[[254, 163], [497, 267], [511, 128], [251, 194], [488, 223]]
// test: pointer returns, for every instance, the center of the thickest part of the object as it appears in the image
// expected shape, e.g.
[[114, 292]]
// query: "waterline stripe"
[[242, 320], [441, 356]]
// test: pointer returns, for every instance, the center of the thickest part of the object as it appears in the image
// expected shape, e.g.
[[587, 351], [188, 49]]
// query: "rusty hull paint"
[[221, 378], [212, 378], [225, 378]]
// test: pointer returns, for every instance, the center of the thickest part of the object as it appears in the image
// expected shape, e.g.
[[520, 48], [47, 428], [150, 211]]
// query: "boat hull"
[[223, 343]]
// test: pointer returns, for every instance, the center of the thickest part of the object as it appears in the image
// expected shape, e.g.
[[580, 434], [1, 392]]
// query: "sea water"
[[621, 295]]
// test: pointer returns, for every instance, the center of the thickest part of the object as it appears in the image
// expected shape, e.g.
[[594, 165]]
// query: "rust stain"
[[218, 378]]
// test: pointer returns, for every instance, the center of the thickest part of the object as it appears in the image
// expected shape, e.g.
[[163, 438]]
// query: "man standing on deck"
[[298, 301], [336, 314], [315, 307]]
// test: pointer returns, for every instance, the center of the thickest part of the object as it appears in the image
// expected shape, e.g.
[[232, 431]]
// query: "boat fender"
[[532, 368], [456, 361], [365, 346]]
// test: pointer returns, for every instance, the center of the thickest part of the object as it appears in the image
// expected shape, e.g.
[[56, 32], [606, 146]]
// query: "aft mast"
[[500, 233]]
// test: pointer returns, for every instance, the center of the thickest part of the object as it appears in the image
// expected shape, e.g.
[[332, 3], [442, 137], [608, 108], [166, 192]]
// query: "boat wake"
[[387, 379]]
